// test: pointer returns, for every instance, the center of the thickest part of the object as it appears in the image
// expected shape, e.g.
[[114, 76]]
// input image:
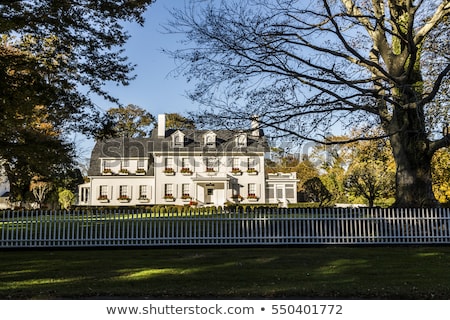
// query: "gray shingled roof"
[[141, 147], [118, 148]]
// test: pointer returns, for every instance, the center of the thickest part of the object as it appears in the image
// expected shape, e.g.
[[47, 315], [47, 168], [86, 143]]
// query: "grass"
[[325, 272]]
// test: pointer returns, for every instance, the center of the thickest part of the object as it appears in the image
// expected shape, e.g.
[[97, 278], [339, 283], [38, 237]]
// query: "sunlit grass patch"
[[137, 274]]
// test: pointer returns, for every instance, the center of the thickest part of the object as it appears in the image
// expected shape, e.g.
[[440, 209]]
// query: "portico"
[[211, 190]]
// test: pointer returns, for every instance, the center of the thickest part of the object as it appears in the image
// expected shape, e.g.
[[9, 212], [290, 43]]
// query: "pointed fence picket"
[[332, 226]]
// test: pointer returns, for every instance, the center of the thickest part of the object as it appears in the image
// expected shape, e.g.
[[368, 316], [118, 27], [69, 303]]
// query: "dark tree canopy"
[[53, 56], [131, 121], [177, 121], [88, 36], [306, 67]]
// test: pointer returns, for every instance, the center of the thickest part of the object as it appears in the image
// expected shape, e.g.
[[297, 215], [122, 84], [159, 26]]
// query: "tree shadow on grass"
[[226, 273]]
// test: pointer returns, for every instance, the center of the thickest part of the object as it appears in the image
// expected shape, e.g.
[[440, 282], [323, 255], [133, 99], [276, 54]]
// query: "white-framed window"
[[168, 162], [252, 189], [241, 140], [123, 191], [290, 191], [185, 189], [271, 191], [106, 164], [210, 139], [212, 164], [143, 194], [178, 141], [125, 163], [280, 191], [84, 197], [103, 192], [168, 190], [251, 163], [185, 163], [236, 163], [141, 164]]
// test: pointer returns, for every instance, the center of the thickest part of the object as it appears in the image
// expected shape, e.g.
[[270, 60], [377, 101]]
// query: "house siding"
[[204, 161]]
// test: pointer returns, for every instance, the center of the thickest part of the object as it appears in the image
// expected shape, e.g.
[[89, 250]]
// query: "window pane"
[[104, 191], [251, 163], [107, 164], [289, 193], [280, 192], [169, 162], [123, 190], [168, 189]]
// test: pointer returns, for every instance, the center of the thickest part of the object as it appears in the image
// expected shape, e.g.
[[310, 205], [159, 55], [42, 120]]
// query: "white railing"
[[193, 228]]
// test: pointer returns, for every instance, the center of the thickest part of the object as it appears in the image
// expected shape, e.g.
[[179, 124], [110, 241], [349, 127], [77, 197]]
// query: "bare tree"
[[305, 67]]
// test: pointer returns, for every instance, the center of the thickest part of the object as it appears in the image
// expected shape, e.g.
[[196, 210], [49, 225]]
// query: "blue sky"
[[154, 89]]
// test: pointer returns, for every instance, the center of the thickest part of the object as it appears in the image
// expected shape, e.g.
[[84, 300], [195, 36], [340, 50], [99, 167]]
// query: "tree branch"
[[438, 144], [436, 86], [442, 11]]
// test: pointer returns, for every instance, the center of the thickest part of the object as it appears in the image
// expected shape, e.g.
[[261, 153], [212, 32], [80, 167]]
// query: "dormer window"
[[178, 139], [241, 140], [210, 139]]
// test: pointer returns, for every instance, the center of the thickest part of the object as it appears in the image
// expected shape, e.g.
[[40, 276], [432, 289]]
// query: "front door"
[[281, 195], [209, 198]]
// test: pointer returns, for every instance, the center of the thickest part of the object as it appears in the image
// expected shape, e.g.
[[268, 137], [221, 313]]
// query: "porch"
[[211, 190]]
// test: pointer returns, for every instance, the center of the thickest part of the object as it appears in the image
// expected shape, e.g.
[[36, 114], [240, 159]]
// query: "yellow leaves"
[[37, 182], [40, 122], [441, 175]]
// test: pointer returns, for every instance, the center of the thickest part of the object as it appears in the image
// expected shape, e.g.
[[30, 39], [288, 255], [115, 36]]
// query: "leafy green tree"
[[333, 179], [66, 198], [130, 121], [177, 121], [316, 191], [304, 66], [370, 179], [30, 139], [88, 33], [441, 175], [371, 169], [334, 160], [51, 54]]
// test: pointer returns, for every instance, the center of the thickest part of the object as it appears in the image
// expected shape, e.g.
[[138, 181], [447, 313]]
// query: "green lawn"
[[327, 272]]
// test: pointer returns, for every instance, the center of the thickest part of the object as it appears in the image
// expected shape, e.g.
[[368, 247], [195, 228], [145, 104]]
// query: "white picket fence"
[[27, 229]]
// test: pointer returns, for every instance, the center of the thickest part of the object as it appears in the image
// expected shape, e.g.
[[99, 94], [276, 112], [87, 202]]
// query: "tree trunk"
[[414, 185], [410, 147], [371, 202]]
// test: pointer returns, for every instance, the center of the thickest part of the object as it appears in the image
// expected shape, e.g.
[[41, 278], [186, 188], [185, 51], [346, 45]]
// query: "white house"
[[201, 167], [4, 190]]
